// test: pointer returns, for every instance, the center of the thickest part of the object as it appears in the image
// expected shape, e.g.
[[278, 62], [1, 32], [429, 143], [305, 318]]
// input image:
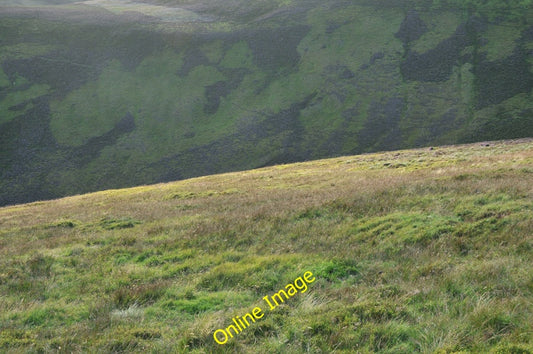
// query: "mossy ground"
[[413, 251]]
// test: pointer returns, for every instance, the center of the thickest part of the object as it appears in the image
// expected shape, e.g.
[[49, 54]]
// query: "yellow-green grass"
[[427, 250]]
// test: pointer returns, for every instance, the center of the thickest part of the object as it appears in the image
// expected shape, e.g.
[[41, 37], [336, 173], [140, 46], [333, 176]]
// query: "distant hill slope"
[[106, 94], [426, 250]]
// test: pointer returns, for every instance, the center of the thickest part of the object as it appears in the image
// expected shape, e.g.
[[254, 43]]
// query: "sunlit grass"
[[425, 250]]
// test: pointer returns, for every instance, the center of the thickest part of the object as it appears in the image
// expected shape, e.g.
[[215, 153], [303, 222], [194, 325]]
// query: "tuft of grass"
[[141, 294], [336, 269], [110, 223]]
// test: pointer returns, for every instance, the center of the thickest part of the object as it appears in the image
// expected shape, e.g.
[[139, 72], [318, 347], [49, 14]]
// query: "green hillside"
[[103, 94], [426, 250]]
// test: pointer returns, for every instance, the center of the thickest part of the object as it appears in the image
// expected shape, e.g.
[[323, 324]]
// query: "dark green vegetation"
[[96, 97], [413, 251]]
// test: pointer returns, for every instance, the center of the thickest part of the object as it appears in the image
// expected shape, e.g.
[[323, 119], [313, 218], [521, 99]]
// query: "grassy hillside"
[[427, 250], [104, 94]]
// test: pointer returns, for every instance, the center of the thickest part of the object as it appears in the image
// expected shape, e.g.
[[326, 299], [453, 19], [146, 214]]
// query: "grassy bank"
[[416, 250]]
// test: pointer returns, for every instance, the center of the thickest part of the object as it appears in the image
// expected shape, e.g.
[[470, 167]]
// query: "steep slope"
[[410, 251], [106, 93]]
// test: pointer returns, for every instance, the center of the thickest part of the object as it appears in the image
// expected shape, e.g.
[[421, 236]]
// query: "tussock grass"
[[413, 251]]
